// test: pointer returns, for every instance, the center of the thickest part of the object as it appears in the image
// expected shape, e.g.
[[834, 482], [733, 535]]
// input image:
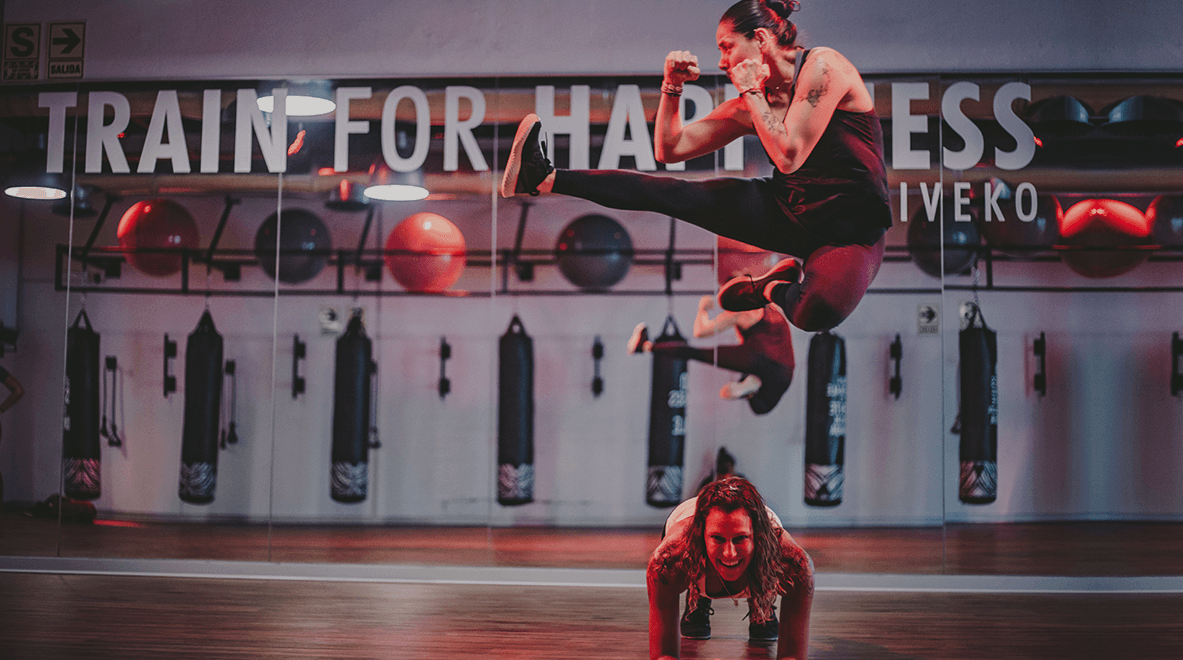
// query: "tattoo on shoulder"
[[821, 84]]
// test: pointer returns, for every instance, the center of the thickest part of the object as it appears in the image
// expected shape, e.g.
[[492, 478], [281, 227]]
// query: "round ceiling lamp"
[[304, 99], [390, 186]]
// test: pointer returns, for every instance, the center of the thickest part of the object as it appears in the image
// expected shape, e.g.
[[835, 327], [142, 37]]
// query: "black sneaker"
[[743, 293], [696, 624], [764, 632], [528, 165]]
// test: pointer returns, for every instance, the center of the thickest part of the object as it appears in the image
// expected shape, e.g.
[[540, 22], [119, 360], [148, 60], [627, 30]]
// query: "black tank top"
[[842, 186]]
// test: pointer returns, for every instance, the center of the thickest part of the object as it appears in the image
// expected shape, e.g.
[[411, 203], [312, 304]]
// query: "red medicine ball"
[[1104, 238], [426, 253], [153, 224]]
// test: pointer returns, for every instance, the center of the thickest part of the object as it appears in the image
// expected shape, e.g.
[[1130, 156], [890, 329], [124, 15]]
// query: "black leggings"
[[837, 272], [774, 376]]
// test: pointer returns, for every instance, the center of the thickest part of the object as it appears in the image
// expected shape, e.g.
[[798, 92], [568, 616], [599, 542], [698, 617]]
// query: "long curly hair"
[[766, 575]]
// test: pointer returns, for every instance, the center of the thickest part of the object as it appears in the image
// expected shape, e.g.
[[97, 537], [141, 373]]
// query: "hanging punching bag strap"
[[82, 318], [669, 331], [516, 327]]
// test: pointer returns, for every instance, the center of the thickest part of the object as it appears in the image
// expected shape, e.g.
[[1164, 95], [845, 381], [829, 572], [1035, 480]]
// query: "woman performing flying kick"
[[764, 354], [826, 203]]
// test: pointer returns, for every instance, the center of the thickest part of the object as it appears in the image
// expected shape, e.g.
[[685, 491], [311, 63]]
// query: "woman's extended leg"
[[742, 209]]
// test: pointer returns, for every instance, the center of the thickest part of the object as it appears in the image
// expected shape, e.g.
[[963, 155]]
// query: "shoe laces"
[[764, 623], [699, 613], [539, 160]]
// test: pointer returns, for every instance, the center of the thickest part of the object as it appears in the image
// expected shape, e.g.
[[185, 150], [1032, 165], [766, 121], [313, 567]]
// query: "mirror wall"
[[446, 380], [1078, 284]]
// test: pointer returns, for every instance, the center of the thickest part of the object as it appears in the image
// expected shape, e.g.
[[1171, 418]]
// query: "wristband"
[[670, 88]]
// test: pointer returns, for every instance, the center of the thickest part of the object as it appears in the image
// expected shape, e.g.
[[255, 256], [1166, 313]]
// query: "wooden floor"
[[46, 615], [77, 616], [1100, 549]]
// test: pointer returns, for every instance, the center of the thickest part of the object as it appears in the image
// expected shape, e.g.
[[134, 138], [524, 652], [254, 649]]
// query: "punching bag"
[[667, 423], [351, 413], [515, 416], [825, 420], [979, 411], [203, 404], [80, 428]]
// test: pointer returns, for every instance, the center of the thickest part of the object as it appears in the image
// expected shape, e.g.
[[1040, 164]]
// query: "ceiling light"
[[30, 181], [299, 106], [390, 186], [308, 98]]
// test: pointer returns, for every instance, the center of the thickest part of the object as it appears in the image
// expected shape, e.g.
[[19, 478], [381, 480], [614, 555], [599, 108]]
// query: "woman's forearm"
[[774, 137], [667, 127]]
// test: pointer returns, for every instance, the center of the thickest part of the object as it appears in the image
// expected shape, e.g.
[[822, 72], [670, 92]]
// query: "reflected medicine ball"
[[594, 252], [304, 245], [1017, 238], [961, 241], [429, 253], [1165, 216], [1093, 233], [736, 258], [153, 224]]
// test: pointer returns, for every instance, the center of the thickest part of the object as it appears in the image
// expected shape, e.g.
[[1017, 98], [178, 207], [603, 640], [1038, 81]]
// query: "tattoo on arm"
[[815, 94], [774, 125]]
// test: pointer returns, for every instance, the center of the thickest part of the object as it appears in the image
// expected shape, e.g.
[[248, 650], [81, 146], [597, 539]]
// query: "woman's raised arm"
[[825, 81]]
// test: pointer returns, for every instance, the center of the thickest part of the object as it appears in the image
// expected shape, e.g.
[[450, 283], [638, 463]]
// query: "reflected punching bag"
[[667, 423], [979, 411], [825, 420], [351, 413], [515, 416], [203, 405], [80, 428]]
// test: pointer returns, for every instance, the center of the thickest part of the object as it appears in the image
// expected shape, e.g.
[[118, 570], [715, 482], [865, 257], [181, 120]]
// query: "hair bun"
[[783, 8]]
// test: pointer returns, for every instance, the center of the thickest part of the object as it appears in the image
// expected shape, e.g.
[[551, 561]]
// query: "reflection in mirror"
[[33, 319], [157, 342], [381, 452], [1058, 382]]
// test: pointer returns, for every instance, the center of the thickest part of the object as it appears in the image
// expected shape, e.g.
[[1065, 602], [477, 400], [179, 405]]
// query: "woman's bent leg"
[[836, 277]]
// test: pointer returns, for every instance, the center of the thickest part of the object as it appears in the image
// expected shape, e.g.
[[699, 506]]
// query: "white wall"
[[146, 39]]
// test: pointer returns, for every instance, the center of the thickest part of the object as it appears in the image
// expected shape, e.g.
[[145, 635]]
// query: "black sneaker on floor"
[[743, 293], [528, 165], [696, 624], [764, 632]]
